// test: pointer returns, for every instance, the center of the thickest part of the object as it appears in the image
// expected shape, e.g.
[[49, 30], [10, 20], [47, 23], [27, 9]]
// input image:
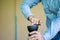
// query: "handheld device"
[[32, 28]]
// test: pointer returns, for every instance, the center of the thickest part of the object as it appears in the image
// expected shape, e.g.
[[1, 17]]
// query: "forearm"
[[26, 11], [27, 5]]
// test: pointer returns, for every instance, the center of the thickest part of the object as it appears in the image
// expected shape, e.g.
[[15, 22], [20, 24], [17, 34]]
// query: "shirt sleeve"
[[26, 5], [58, 15]]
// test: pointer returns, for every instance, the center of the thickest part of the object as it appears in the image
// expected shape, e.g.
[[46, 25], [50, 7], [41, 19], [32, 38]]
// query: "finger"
[[33, 36], [33, 21], [39, 23], [36, 36], [34, 32], [32, 39]]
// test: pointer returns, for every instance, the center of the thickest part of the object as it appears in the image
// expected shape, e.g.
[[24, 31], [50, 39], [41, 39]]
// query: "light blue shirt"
[[52, 11]]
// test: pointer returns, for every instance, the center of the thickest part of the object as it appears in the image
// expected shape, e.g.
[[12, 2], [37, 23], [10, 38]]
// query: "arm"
[[54, 29], [52, 32], [26, 5]]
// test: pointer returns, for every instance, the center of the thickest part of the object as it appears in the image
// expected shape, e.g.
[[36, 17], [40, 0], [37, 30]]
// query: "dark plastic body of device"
[[32, 28]]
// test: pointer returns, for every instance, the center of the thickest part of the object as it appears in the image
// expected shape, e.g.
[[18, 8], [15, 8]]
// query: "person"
[[52, 11]]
